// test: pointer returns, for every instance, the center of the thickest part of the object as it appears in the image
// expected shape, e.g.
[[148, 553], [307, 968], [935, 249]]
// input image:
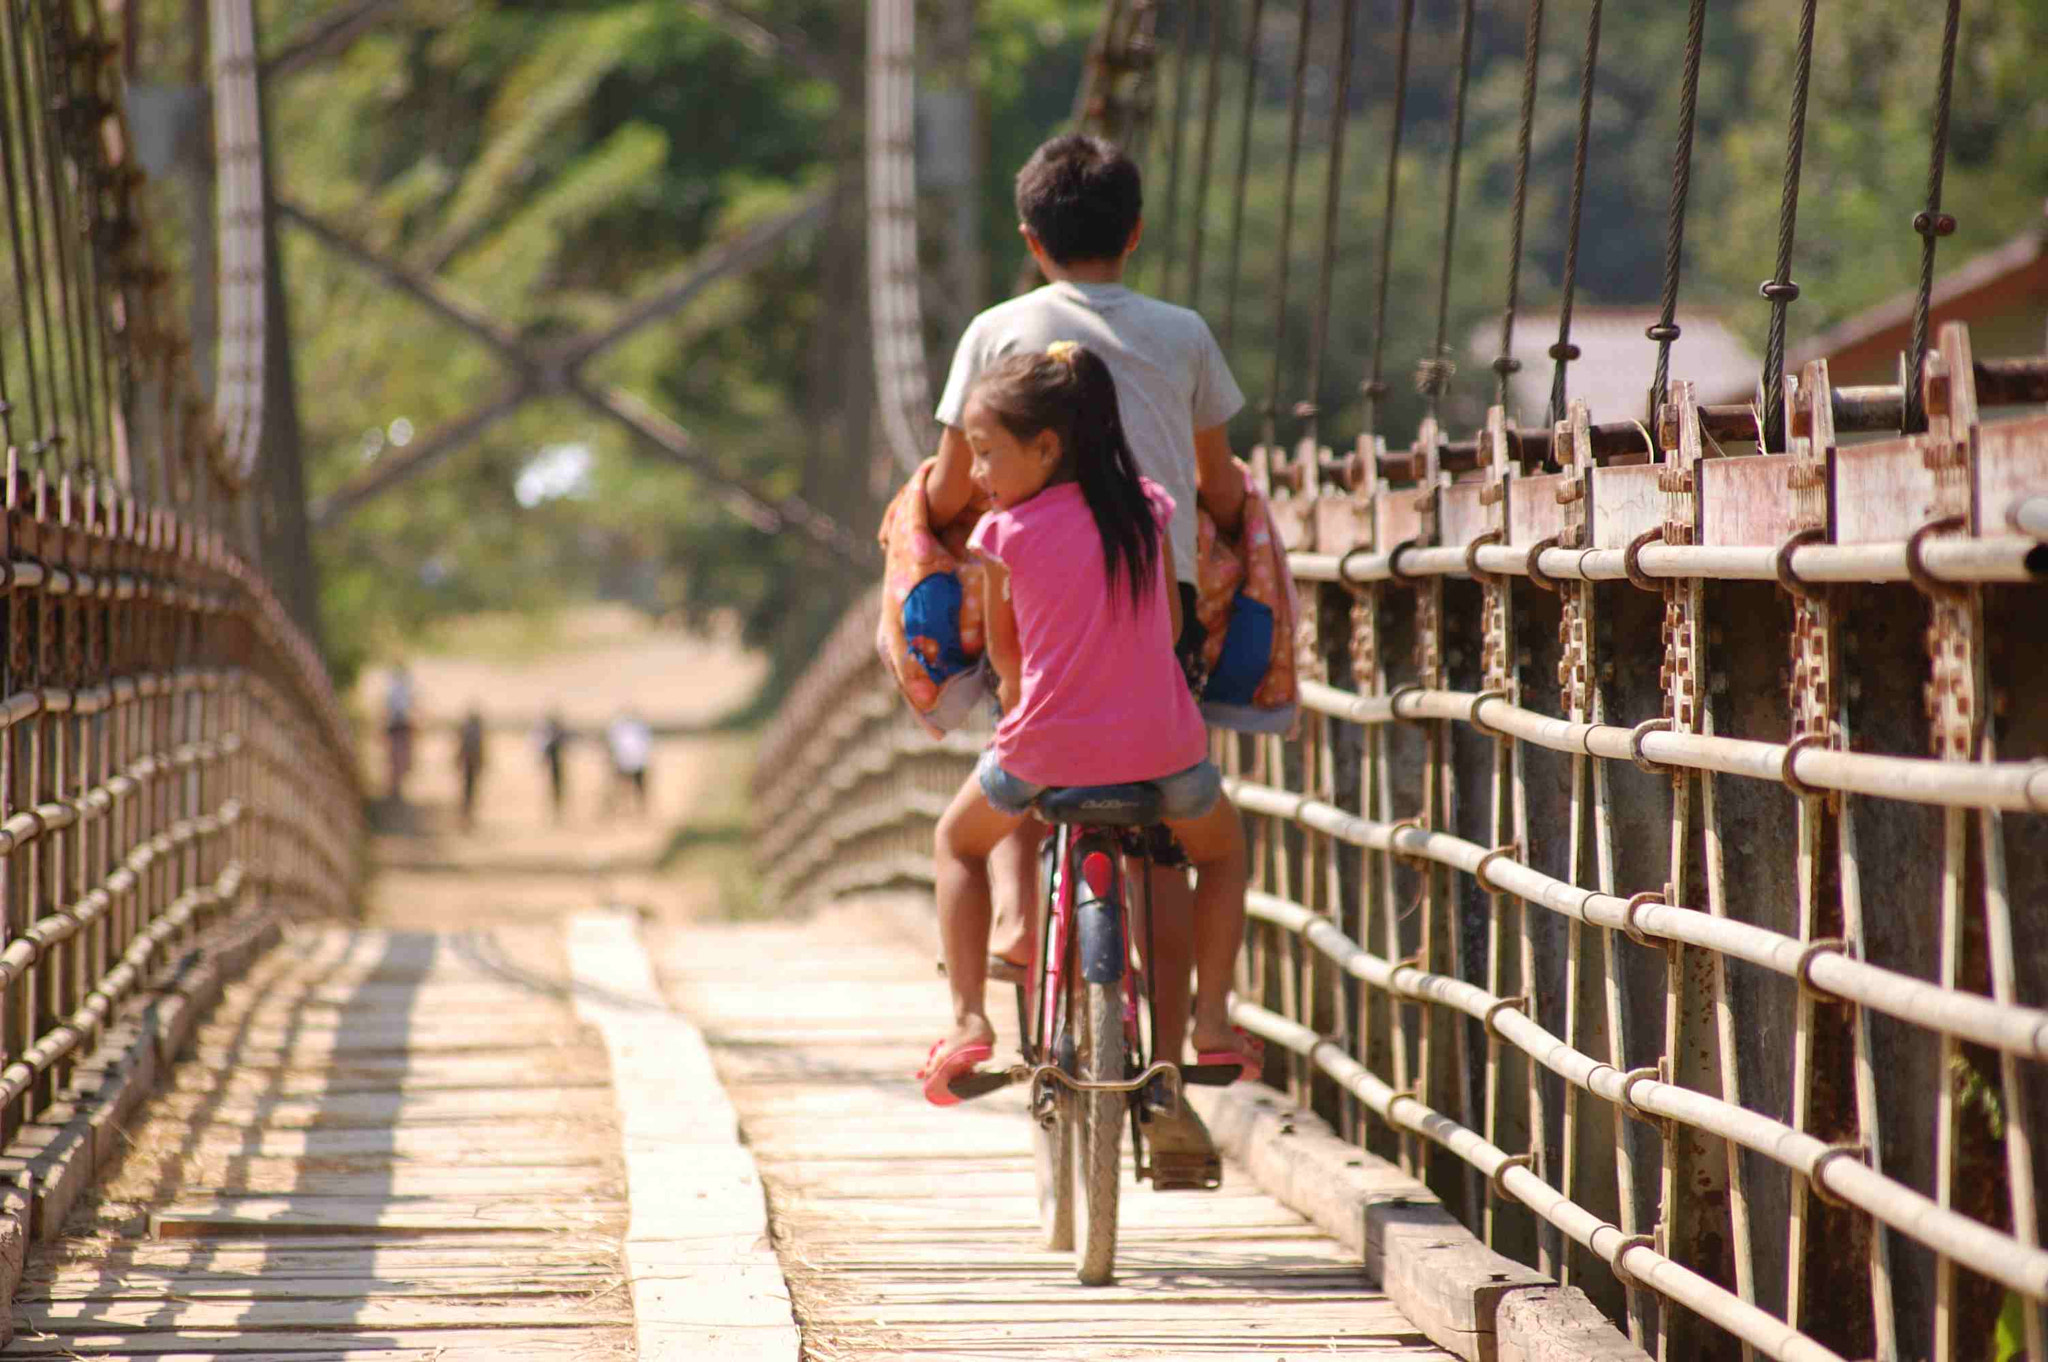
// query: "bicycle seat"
[[1136, 805]]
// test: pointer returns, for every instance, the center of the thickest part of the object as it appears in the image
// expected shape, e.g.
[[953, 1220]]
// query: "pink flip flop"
[[1249, 1055], [939, 1071]]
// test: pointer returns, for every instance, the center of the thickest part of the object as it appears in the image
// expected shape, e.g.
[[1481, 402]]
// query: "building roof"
[[1999, 281], [1617, 362]]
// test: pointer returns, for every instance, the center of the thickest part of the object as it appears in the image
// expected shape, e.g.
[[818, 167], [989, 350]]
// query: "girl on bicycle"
[[1080, 622]]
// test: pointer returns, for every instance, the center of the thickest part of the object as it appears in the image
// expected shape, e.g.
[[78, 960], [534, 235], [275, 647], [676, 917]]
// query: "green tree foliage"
[[549, 163]]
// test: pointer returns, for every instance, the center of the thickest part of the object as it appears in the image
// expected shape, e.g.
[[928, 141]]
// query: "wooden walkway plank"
[[909, 1231], [706, 1285], [382, 1145]]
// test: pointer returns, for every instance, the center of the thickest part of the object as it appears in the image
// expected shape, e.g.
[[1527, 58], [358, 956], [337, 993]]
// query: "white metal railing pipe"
[[2003, 559], [2021, 1267], [2017, 1030], [1631, 1257], [2011, 786]]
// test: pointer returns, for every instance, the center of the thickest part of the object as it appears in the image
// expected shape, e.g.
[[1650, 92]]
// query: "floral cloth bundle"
[[1246, 604], [930, 634]]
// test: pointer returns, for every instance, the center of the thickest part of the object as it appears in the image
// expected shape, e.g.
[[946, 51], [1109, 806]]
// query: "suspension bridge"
[[1644, 930]]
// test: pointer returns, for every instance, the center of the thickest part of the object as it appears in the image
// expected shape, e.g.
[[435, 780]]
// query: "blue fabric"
[[932, 610], [1250, 718], [1247, 648]]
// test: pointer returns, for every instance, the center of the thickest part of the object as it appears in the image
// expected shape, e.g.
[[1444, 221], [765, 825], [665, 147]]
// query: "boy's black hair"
[[1081, 197], [1072, 395]]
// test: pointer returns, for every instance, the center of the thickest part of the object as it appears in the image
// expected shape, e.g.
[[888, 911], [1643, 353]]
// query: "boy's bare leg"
[[1013, 884], [1215, 844], [1183, 1152], [1171, 964], [968, 831]]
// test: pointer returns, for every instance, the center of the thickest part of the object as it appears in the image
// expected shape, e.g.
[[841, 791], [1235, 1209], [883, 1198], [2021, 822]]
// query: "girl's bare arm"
[[999, 619]]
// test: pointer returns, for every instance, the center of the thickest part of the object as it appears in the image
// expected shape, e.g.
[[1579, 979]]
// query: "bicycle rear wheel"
[[1099, 1130]]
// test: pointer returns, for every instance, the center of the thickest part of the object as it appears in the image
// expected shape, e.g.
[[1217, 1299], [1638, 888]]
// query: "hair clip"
[[1064, 351]]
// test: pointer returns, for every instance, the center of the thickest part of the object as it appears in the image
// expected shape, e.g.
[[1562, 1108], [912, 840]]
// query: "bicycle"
[[1083, 1051]]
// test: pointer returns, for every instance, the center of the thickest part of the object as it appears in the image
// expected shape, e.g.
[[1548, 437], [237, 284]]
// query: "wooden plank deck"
[[908, 1231], [383, 1145]]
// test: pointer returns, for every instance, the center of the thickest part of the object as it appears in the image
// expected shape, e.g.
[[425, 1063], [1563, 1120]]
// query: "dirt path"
[[518, 862]]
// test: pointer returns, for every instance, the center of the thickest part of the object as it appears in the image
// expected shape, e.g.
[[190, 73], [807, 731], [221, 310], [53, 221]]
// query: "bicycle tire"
[[1099, 1131]]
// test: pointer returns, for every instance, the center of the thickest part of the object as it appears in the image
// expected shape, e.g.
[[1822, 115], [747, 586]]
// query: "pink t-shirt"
[[1103, 697]]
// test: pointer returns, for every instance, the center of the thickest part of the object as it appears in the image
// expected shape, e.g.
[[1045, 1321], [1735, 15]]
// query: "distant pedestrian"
[[469, 761], [398, 729], [631, 745], [549, 740]]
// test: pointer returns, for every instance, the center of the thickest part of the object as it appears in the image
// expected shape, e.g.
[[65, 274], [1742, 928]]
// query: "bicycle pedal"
[[1158, 1098], [979, 1083], [1209, 1075], [1185, 1171]]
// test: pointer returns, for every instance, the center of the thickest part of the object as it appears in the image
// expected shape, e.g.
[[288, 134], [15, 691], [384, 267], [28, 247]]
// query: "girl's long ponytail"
[[1108, 475]]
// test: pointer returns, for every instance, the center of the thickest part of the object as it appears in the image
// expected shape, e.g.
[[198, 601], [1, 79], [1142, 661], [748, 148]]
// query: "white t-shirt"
[[631, 744], [1171, 377]]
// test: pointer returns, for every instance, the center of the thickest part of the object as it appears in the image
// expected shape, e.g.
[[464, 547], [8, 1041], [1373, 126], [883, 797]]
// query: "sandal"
[[1248, 1056], [939, 1070]]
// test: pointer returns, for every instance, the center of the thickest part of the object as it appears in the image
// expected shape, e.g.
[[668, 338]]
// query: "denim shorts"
[[1185, 794]]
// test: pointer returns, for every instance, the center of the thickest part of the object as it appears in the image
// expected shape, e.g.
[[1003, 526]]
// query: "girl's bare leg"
[[1013, 884], [970, 829], [1215, 845]]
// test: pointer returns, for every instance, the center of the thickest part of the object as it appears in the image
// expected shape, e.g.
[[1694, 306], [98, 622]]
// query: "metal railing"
[[174, 765], [1649, 872]]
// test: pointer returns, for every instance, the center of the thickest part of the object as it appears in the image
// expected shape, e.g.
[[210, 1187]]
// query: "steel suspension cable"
[[1779, 288], [1170, 227], [1564, 352], [74, 131], [1433, 374], [1218, 15], [1143, 58], [1505, 366], [1294, 114], [1309, 408], [1932, 224], [1666, 330], [28, 266], [96, 198], [1244, 156], [896, 318], [1148, 154], [76, 450], [7, 185], [1375, 386]]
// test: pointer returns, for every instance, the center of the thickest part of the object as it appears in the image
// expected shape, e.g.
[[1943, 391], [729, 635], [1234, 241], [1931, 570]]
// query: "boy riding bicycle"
[[1079, 201]]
